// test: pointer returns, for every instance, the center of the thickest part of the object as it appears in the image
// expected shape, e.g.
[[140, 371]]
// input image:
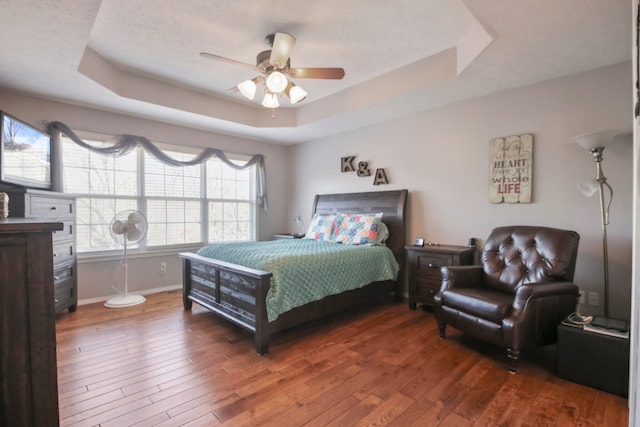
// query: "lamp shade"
[[592, 140], [588, 188], [270, 100], [296, 94], [247, 88], [276, 82]]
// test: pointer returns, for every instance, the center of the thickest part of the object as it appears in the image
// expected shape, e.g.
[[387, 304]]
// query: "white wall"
[[442, 157], [95, 277]]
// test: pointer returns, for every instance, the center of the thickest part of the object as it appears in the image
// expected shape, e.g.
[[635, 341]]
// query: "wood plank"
[[156, 364]]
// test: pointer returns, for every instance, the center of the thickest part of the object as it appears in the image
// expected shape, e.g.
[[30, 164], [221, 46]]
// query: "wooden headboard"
[[392, 204]]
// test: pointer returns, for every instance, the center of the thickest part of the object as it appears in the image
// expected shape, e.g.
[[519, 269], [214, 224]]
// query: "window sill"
[[106, 256]]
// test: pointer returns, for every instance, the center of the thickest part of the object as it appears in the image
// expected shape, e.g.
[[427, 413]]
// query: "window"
[[229, 210], [184, 205]]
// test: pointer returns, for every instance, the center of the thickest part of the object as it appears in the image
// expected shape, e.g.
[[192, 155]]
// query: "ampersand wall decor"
[[346, 165]]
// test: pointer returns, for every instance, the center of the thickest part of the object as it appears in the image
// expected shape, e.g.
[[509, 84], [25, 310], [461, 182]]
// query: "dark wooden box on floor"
[[593, 359]]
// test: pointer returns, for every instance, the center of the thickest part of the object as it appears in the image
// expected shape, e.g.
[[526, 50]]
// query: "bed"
[[239, 294]]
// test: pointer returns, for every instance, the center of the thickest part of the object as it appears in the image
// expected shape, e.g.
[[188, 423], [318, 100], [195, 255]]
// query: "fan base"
[[124, 301]]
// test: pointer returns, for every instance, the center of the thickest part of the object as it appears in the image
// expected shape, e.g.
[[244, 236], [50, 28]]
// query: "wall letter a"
[[381, 177]]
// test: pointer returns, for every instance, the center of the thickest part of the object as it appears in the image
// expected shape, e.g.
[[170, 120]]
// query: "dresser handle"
[[56, 300], [56, 277], [53, 208], [55, 254], [433, 266]]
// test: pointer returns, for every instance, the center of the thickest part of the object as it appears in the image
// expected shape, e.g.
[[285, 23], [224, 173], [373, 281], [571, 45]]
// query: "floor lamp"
[[595, 143]]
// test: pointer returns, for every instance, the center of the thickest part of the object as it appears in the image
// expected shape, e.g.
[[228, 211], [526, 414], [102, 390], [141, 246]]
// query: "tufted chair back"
[[517, 255]]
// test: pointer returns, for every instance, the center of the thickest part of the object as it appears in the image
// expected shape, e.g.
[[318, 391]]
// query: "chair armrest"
[[530, 291], [536, 312], [461, 276]]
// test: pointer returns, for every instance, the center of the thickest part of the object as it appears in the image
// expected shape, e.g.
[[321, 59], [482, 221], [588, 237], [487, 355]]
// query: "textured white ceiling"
[[141, 57]]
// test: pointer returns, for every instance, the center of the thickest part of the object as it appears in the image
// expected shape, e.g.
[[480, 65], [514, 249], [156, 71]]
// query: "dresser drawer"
[[64, 272], [50, 207], [63, 252], [58, 207], [67, 231], [65, 296]]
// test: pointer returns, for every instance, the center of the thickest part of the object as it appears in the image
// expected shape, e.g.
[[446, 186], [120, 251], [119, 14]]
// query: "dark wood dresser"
[[29, 392], [423, 269], [49, 205]]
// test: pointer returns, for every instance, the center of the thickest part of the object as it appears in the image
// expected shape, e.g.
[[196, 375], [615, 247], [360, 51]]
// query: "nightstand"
[[287, 236], [593, 359], [423, 269]]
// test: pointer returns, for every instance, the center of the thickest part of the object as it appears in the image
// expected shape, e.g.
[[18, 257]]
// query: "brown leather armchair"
[[519, 294]]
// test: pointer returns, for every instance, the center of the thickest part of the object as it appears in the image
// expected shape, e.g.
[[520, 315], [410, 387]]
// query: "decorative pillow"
[[383, 234], [357, 229], [321, 227]]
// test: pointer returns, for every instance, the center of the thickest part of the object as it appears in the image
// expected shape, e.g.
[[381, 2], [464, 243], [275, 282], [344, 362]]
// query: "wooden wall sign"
[[510, 166]]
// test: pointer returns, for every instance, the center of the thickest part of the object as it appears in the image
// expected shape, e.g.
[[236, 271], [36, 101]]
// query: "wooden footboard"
[[232, 291]]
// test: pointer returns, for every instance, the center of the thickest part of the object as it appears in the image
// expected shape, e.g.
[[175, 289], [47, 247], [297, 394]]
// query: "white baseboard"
[[168, 288]]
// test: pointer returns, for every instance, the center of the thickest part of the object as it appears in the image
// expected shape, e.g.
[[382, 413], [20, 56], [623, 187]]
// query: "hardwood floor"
[[155, 364]]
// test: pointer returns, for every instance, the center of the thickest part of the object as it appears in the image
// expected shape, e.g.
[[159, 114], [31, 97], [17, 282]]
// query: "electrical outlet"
[[163, 267], [594, 298], [581, 300]]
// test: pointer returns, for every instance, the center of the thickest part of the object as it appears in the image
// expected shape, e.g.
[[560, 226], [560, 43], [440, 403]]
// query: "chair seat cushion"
[[485, 303]]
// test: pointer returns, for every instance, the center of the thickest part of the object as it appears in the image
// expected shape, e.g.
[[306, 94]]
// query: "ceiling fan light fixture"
[[276, 82], [295, 93], [274, 65], [270, 100], [248, 88]]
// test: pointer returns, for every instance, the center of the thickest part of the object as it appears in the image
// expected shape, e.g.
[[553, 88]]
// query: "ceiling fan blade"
[[282, 46], [316, 73], [230, 61]]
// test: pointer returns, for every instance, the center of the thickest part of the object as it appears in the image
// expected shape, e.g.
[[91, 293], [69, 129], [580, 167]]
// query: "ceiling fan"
[[275, 65]]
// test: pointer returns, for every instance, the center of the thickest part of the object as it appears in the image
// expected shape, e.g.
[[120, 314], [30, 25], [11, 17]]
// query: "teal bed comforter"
[[306, 270]]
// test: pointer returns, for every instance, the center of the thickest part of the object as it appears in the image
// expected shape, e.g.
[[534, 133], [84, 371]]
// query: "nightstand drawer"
[[423, 269], [428, 265], [425, 289]]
